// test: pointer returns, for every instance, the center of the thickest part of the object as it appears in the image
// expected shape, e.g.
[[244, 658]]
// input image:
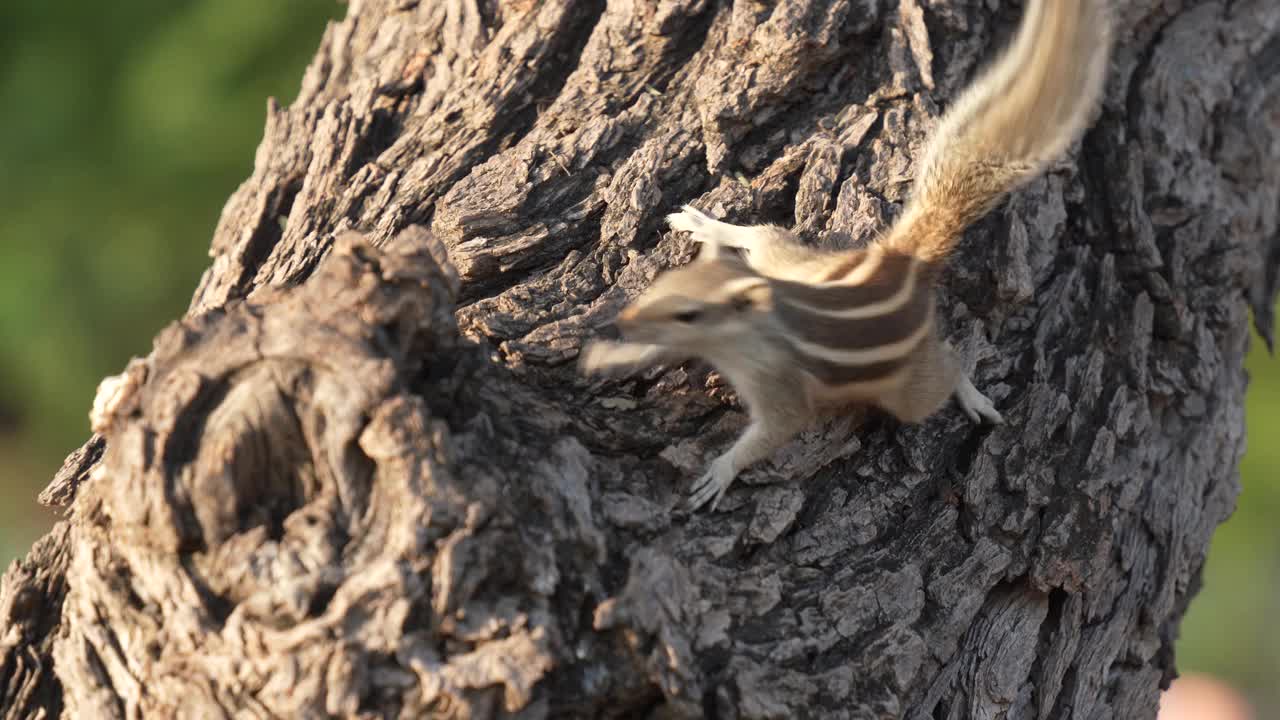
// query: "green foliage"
[[1230, 629], [126, 127]]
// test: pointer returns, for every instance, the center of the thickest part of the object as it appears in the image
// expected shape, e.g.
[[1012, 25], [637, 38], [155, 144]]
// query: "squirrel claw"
[[712, 486], [692, 221], [977, 406]]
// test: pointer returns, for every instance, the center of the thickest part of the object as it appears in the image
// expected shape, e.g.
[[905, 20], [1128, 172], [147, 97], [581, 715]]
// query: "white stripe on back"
[[868, 356], [885, 307], [860, 272]]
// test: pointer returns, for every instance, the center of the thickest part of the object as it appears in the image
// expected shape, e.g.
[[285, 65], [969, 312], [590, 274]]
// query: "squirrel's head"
[[698, 306]]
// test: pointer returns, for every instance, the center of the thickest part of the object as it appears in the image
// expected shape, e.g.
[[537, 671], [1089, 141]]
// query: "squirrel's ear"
[[753, 294]]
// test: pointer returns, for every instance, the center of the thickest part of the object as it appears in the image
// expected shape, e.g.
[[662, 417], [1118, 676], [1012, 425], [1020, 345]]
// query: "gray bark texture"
[[361, 476]]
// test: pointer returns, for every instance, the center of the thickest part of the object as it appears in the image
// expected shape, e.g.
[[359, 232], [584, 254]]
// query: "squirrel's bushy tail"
[[1020, 114]]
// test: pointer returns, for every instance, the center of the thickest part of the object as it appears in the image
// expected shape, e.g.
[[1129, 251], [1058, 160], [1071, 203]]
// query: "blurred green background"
[[124, 128], [127, 125]]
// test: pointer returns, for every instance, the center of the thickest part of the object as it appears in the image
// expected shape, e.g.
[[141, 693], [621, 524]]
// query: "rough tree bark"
[[361, 477]]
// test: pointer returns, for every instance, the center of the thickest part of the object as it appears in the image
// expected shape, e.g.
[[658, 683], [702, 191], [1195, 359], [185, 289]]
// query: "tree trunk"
[[362, 477]]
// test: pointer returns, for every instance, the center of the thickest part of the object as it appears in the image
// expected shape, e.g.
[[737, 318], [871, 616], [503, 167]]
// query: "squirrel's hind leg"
[[711, 233], [977, 406], [770, 250]]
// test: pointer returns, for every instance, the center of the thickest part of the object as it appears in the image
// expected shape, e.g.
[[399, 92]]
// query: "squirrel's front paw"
[[609, 359], [713, 484], [597, 358]]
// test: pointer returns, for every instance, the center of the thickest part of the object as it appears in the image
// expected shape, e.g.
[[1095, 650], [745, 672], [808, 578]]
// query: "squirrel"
[[798, 331]]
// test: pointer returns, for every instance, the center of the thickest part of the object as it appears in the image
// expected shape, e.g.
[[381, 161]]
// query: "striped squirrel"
[[798, 331]]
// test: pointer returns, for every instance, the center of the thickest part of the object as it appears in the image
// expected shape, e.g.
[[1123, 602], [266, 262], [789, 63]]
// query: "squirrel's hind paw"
[[693, 221], [977, 406]]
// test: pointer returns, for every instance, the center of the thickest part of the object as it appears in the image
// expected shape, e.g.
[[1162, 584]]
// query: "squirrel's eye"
[[687, 316]]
